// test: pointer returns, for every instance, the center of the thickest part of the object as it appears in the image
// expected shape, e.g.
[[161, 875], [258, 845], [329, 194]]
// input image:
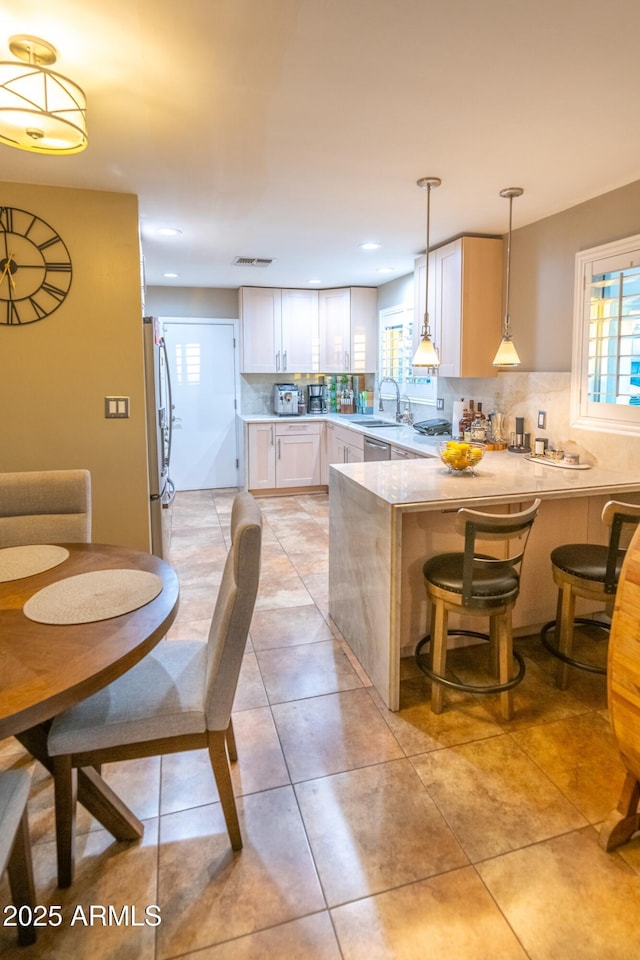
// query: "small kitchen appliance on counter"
[[286, 398], [315, 398], [520, 441], [433, 428]]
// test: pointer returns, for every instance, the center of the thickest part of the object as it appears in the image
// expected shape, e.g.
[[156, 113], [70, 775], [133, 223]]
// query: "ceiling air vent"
[[251, 262]]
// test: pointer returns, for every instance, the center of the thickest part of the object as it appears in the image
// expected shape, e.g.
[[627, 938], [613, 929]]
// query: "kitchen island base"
[[380, 537]]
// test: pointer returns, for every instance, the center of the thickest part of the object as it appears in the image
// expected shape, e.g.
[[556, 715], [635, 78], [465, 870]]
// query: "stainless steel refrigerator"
[[159, 411]]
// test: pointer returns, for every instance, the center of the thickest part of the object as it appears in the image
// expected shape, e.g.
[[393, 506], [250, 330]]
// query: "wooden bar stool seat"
[[590, 571], [479, 584]]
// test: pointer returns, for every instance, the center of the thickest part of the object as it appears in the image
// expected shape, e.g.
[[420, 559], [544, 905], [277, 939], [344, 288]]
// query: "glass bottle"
[[479, 425]]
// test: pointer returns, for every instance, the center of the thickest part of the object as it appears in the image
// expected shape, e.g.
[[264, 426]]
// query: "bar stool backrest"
[[617, 515], [475, 525]]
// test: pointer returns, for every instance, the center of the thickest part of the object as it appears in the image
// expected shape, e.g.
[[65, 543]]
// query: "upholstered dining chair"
[[179, 697], [15, 849], [45, 506], [481, 585]]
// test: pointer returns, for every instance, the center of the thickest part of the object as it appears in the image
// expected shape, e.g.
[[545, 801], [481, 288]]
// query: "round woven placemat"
[[88, 597], [18, 562]]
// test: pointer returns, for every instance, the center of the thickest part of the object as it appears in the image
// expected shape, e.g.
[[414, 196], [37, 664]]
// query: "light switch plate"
[[542, 419], [116, 407]]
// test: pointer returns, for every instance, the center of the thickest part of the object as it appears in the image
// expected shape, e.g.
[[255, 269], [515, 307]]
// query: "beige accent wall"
[[543, 266], [214, 303], [55, 373]]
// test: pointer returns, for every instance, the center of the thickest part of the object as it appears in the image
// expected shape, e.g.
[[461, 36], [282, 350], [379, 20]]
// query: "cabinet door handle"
[[346, 360], [278, 361], [284, 360], [279, 444], [272, 435]]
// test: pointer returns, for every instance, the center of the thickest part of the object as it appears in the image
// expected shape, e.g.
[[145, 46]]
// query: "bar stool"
[[482, 585], [590, 571]]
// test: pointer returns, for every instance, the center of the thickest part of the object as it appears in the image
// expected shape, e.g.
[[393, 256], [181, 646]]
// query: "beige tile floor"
[[367, 834]]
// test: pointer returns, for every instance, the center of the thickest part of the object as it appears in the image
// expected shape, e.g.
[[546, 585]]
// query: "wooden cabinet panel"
[[298, 460], [300, 335], [261, 453], [261, 313], [279, 330], [465, 309], [348, 329]]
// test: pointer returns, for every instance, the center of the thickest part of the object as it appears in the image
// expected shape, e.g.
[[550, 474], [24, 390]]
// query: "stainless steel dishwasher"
[[375, 449]]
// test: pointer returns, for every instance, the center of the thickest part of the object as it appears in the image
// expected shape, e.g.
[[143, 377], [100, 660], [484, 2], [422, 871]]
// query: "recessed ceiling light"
[[169, 232], [315, 281], [386, 270], [169, 274], [370, 245]]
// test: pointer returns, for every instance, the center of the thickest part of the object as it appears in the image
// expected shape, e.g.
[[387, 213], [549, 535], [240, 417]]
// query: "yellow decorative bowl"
[[460, 455]]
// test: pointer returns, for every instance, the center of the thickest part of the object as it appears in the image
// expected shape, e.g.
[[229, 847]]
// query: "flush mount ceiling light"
[[426, 355], [507, 355], [370, 245], [40, 110]]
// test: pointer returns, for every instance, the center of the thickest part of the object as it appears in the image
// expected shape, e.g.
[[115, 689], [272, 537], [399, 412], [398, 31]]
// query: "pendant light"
[[426, 355], [40, 110], [507, 355]]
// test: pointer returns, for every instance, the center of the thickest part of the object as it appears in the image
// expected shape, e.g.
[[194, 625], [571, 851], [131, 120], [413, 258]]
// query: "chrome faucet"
[[380, 406]]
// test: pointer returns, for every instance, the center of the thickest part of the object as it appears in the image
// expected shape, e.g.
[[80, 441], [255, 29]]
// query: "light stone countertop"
[[400, 435], [500, 477]]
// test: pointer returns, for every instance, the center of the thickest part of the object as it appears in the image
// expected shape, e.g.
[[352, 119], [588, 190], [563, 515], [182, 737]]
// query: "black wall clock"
[[35, 267]]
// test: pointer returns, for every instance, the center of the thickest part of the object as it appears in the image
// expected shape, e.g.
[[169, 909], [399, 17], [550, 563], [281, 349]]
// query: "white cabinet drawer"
[[306, 429]]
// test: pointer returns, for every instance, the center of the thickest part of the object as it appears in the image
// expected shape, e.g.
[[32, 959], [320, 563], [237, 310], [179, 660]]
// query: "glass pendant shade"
[[507, 355], [40, 110], [426, 354]]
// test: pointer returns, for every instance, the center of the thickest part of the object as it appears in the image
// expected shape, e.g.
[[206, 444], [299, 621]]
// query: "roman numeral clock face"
[[35, 267]]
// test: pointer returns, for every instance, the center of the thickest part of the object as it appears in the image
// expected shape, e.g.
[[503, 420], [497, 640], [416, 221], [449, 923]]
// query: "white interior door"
[[203, 368]]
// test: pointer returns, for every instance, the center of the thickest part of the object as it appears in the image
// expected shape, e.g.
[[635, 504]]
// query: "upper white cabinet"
[[348, 329], [465, 310], [279, 330]]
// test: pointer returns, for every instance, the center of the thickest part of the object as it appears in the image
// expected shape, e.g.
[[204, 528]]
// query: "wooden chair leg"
[[622, 822], [20, 870], [439, 627], [231, 743], [564, 632], [220, 766], [505, 659], [66, 793]]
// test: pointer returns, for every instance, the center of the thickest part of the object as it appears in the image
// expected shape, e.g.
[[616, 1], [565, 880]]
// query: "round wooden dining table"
[[47, 667]]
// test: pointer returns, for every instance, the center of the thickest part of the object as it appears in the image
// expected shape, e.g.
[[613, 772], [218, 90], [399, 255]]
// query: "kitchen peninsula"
[[387, 518]]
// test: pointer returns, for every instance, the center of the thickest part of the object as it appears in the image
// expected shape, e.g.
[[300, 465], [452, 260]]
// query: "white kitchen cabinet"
[[465, 309], [348, 329], [298, 454], [283, 455], [300, 343], [399, 453], [348, 446], [261, 469], [279, 330]]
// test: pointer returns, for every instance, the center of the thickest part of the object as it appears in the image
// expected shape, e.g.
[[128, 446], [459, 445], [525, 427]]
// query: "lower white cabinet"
[[261, 453], [399, 453], [283, 455], [344, 445]]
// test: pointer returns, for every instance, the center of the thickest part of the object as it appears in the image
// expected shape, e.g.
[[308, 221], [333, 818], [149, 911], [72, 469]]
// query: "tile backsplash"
[[524, 395], [513, 394]]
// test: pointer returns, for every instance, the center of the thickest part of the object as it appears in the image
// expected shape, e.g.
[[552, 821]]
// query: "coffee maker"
[[286, 397], [315, 398]]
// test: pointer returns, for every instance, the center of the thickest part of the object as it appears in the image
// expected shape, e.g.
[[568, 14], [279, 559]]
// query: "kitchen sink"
[[368, 422]]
